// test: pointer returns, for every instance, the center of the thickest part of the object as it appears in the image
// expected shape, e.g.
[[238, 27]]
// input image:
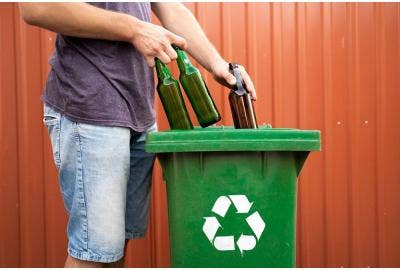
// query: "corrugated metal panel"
[[327, 66], [9, 188]]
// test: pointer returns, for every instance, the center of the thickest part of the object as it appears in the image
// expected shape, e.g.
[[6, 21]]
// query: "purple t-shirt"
[[102, 82]]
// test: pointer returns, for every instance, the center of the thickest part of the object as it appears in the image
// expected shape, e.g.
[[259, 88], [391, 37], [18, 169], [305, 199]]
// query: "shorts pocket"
[[52, 120], [49, 120], [50, 116]]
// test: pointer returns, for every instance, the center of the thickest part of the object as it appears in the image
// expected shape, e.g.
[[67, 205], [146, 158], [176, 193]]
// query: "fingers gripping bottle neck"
[[197, 91], [171, 98]]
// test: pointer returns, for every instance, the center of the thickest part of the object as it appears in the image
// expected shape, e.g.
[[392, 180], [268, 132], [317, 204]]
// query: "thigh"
[[102, 176], [93, 164], [139, 186]]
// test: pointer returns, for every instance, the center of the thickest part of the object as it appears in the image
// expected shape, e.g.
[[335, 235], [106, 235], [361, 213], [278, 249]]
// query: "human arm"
[[179, 20], [87, 21]]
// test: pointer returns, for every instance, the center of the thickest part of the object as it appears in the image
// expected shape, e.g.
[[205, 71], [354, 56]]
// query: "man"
[[99, 105]]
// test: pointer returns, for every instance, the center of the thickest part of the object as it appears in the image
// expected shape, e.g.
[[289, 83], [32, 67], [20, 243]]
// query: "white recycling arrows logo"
[[225, 243]]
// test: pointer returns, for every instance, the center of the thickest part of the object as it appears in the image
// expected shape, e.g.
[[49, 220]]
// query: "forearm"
[[79, 20], [179, 20]]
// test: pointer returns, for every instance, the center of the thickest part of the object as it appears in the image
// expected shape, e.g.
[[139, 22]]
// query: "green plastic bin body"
[[232, 194]]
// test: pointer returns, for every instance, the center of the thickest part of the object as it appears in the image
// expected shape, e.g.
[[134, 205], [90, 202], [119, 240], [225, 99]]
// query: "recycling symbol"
[[226, 243]]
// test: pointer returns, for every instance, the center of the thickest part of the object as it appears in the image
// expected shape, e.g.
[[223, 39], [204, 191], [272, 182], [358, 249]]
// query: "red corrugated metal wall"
[[328, 66]]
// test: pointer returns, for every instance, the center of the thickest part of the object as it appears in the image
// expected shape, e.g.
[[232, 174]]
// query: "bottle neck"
[[162, 70], [184, 63]]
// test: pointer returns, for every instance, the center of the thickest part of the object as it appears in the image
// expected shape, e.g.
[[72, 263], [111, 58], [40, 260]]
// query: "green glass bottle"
[[197, 91], [171, 98]]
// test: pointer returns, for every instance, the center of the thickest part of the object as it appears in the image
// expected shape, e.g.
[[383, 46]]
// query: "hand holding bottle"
[[154, 41], [220, 71]]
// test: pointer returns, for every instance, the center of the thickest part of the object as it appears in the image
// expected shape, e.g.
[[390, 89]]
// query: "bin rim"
[[217, 139]]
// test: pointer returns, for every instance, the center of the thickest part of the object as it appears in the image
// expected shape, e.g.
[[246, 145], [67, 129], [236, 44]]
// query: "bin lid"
[[213, 139]]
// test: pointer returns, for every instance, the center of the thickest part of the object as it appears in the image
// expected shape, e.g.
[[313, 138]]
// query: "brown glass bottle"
[[171, 98], [197, 91], [242, 109]]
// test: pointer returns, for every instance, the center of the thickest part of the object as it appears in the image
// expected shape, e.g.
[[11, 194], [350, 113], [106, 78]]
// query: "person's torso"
[[100, 81]]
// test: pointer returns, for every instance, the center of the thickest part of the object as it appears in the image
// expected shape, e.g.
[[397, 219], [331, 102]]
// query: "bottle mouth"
[[176, 47]]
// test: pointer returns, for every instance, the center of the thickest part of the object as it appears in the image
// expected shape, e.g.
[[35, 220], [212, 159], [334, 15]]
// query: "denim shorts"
[[105, 179]]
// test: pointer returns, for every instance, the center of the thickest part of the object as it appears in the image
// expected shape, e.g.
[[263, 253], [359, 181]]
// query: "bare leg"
[[75, 263]]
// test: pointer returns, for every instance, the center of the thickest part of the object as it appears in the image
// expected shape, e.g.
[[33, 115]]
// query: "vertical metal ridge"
[[305, 218], [326, 39], [366, 129], [379, 56], [196, 11], [247, 30], [17, 94], [300, 75], [349, 22], [389, 132], [273, 83], [380, 67], [296, 31], [376, 142], [280, 63], [223, 51], [221, 21], [348, 44], [17, 122], [327, 88], [251, 51]]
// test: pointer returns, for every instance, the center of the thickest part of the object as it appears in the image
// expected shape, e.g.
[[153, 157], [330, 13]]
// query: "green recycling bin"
[[232, 194]]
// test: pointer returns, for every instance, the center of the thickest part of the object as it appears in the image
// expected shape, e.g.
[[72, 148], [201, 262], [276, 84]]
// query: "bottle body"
[[171, 98], [242, 110], [200, 98], [197, 91]]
